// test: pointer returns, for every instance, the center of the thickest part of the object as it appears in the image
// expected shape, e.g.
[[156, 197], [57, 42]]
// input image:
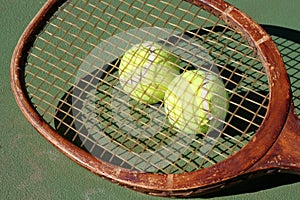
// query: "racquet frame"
[[267, 149]]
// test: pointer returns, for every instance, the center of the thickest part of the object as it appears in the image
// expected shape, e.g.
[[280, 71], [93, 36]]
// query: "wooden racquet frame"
[[273, 147]]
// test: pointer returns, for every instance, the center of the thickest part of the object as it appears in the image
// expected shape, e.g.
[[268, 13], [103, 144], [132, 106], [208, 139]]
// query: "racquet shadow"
[[255, 184], [288, 43]]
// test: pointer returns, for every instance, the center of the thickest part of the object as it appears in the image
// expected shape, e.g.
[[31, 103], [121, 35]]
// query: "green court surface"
[[31, 168]]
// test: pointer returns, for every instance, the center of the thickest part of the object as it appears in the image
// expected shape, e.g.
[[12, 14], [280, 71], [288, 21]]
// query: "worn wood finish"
[[283, 155], [273, 147]]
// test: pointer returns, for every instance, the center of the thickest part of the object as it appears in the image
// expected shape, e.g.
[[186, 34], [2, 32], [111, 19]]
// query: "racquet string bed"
[[75, 89]]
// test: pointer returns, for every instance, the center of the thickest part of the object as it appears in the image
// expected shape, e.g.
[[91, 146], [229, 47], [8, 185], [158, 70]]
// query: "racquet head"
[[65, 77]]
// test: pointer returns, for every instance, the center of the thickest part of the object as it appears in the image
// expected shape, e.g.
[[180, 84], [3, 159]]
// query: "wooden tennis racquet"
[[64, 75]]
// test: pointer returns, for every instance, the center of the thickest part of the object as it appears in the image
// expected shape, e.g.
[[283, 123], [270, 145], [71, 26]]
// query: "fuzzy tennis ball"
[[146, 70], [195, 101]]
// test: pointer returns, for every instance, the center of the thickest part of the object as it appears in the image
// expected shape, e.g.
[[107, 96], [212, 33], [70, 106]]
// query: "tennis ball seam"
[[201, 104], [145, 71]]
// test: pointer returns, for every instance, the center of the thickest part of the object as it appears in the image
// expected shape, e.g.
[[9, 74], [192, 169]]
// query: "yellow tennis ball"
[[195, 101], [146, 70]]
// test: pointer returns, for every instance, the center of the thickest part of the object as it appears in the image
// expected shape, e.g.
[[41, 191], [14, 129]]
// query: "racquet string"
[[76, 90]]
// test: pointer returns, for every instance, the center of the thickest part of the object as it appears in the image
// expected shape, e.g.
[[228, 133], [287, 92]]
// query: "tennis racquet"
[[65, 78]]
